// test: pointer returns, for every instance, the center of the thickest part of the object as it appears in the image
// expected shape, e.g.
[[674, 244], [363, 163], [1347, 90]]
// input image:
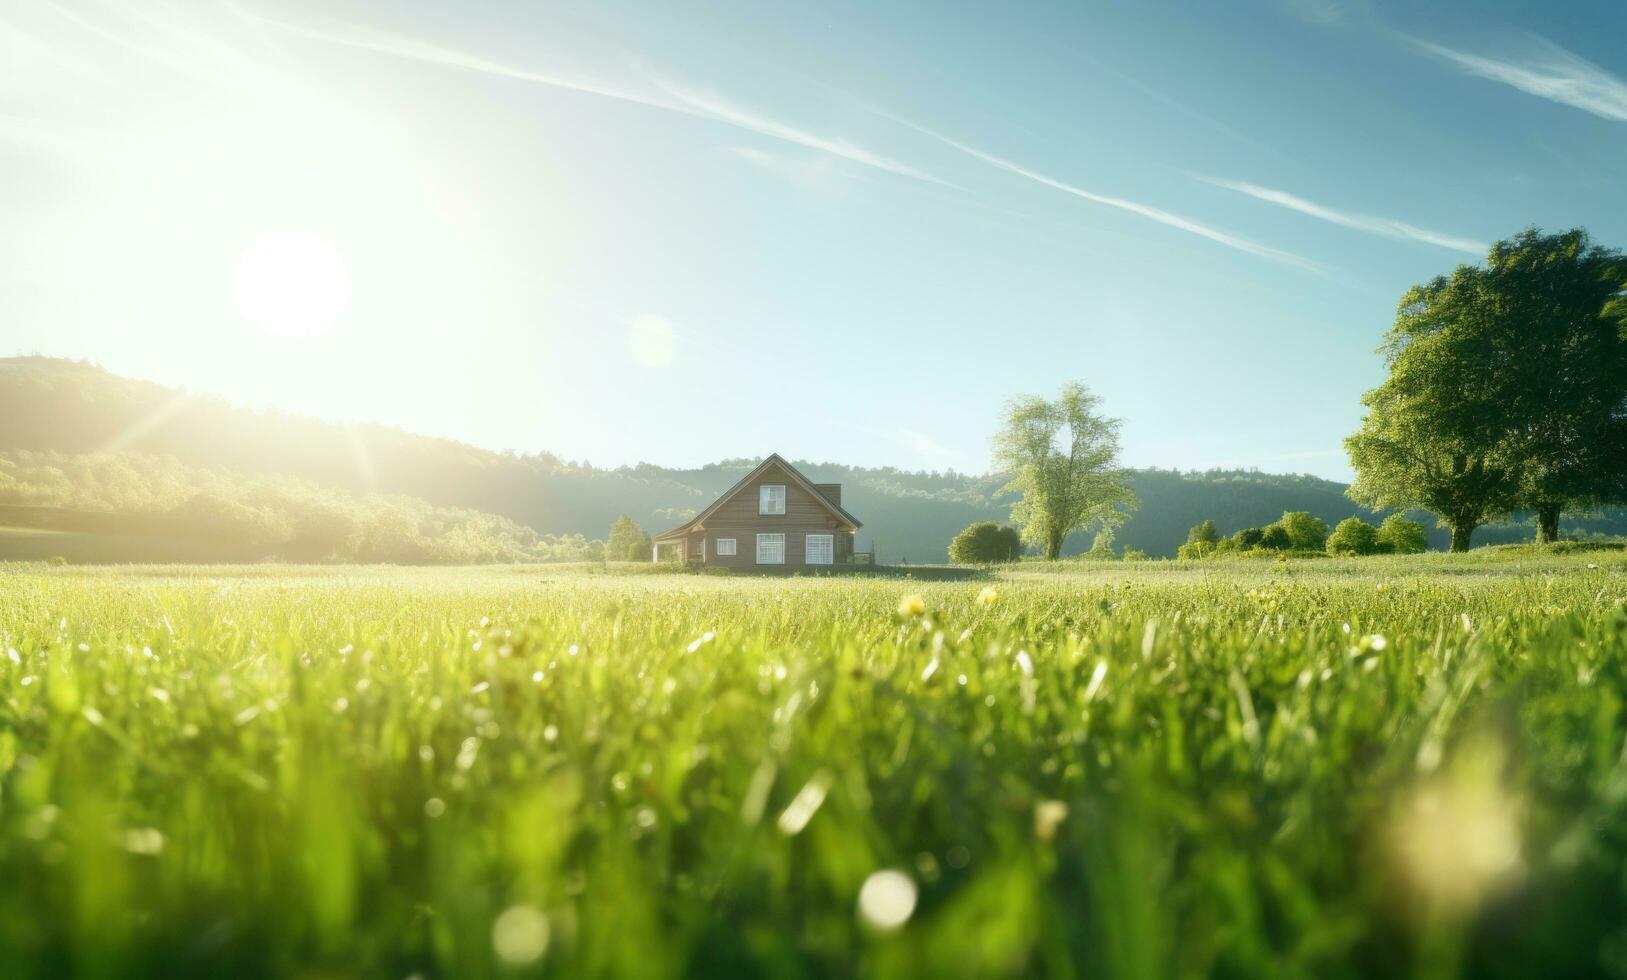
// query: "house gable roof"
[[745, 481]]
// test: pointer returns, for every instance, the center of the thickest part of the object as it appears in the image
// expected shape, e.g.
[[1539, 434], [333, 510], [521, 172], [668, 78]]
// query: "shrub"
[[984, 543], [1306, 531], [1353, 536], [1275, 537], [1247, 538], [1401, 536]]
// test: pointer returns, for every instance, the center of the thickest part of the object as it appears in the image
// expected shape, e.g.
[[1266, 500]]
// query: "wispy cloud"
[[1372, 224], [714, 107], [401, 46], [1147, 211], [818, 172], [1547, 71], [673, 97]]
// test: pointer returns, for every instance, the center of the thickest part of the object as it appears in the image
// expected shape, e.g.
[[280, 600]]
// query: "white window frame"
[[766, 499], [725, 547], [830, 549], [763, 539]]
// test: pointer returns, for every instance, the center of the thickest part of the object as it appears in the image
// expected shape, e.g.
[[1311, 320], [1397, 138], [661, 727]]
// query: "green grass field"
[[1375, 767]]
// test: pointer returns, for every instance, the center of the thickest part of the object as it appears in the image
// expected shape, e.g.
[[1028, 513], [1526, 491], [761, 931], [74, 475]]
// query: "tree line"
[[1305, 533], [907, 514], [1507, 391]]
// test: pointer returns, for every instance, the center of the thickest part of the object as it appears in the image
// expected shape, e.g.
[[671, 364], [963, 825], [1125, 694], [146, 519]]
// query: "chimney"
[[830, 491]]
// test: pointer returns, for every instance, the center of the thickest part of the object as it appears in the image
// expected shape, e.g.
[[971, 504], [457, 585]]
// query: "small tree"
[[1101, 549], [1200, 541], [627, 541], [985, 543], [1353, 536], [1399, 536], [1306, 531], [1275, 537], [1063, 458], [1204, 534]]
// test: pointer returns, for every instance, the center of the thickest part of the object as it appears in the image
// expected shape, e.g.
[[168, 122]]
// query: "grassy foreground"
[[1375, 767]]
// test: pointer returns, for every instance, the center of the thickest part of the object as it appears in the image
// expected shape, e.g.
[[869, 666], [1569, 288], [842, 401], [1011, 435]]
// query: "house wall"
[[737, 518]]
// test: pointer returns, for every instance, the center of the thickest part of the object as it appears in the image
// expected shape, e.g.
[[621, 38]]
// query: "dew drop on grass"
[[805, 804], [142, 840], [887, 900], [520, 935]]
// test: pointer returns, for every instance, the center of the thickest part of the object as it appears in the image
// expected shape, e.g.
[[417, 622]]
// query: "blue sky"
[[629, 232]]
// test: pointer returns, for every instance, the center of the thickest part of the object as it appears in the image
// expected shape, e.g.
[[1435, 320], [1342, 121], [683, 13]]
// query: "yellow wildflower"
[[988, 596], [912, 605]]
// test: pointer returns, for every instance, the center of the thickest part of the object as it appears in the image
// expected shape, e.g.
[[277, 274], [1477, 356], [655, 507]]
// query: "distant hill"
[[133, 506], [54, 405]]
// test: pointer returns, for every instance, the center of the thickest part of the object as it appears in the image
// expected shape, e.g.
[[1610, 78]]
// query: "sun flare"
[[292, 284]]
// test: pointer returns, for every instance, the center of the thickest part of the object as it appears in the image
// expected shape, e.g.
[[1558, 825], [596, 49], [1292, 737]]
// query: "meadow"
[[1330, 768]]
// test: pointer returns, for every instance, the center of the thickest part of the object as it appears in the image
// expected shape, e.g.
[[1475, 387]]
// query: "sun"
[[292, 284]]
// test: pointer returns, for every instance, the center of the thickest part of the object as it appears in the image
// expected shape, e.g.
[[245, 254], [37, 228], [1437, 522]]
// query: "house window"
[[770, 549], [821, 549], [771, 498], [725, 546]]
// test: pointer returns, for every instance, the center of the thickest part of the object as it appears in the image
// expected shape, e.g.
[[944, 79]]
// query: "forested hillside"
[[131, 506], [50, 405]]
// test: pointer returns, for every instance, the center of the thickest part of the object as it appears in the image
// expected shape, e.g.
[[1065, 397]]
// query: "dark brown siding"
[[737, 518]]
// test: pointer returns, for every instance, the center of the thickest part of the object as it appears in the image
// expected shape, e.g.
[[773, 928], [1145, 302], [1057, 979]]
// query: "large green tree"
[[1507, 388], [1436, 431], [1063, 457], [1558, 303]]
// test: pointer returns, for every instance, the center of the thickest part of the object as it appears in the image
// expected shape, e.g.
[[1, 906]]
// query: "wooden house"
[[773, 519]]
